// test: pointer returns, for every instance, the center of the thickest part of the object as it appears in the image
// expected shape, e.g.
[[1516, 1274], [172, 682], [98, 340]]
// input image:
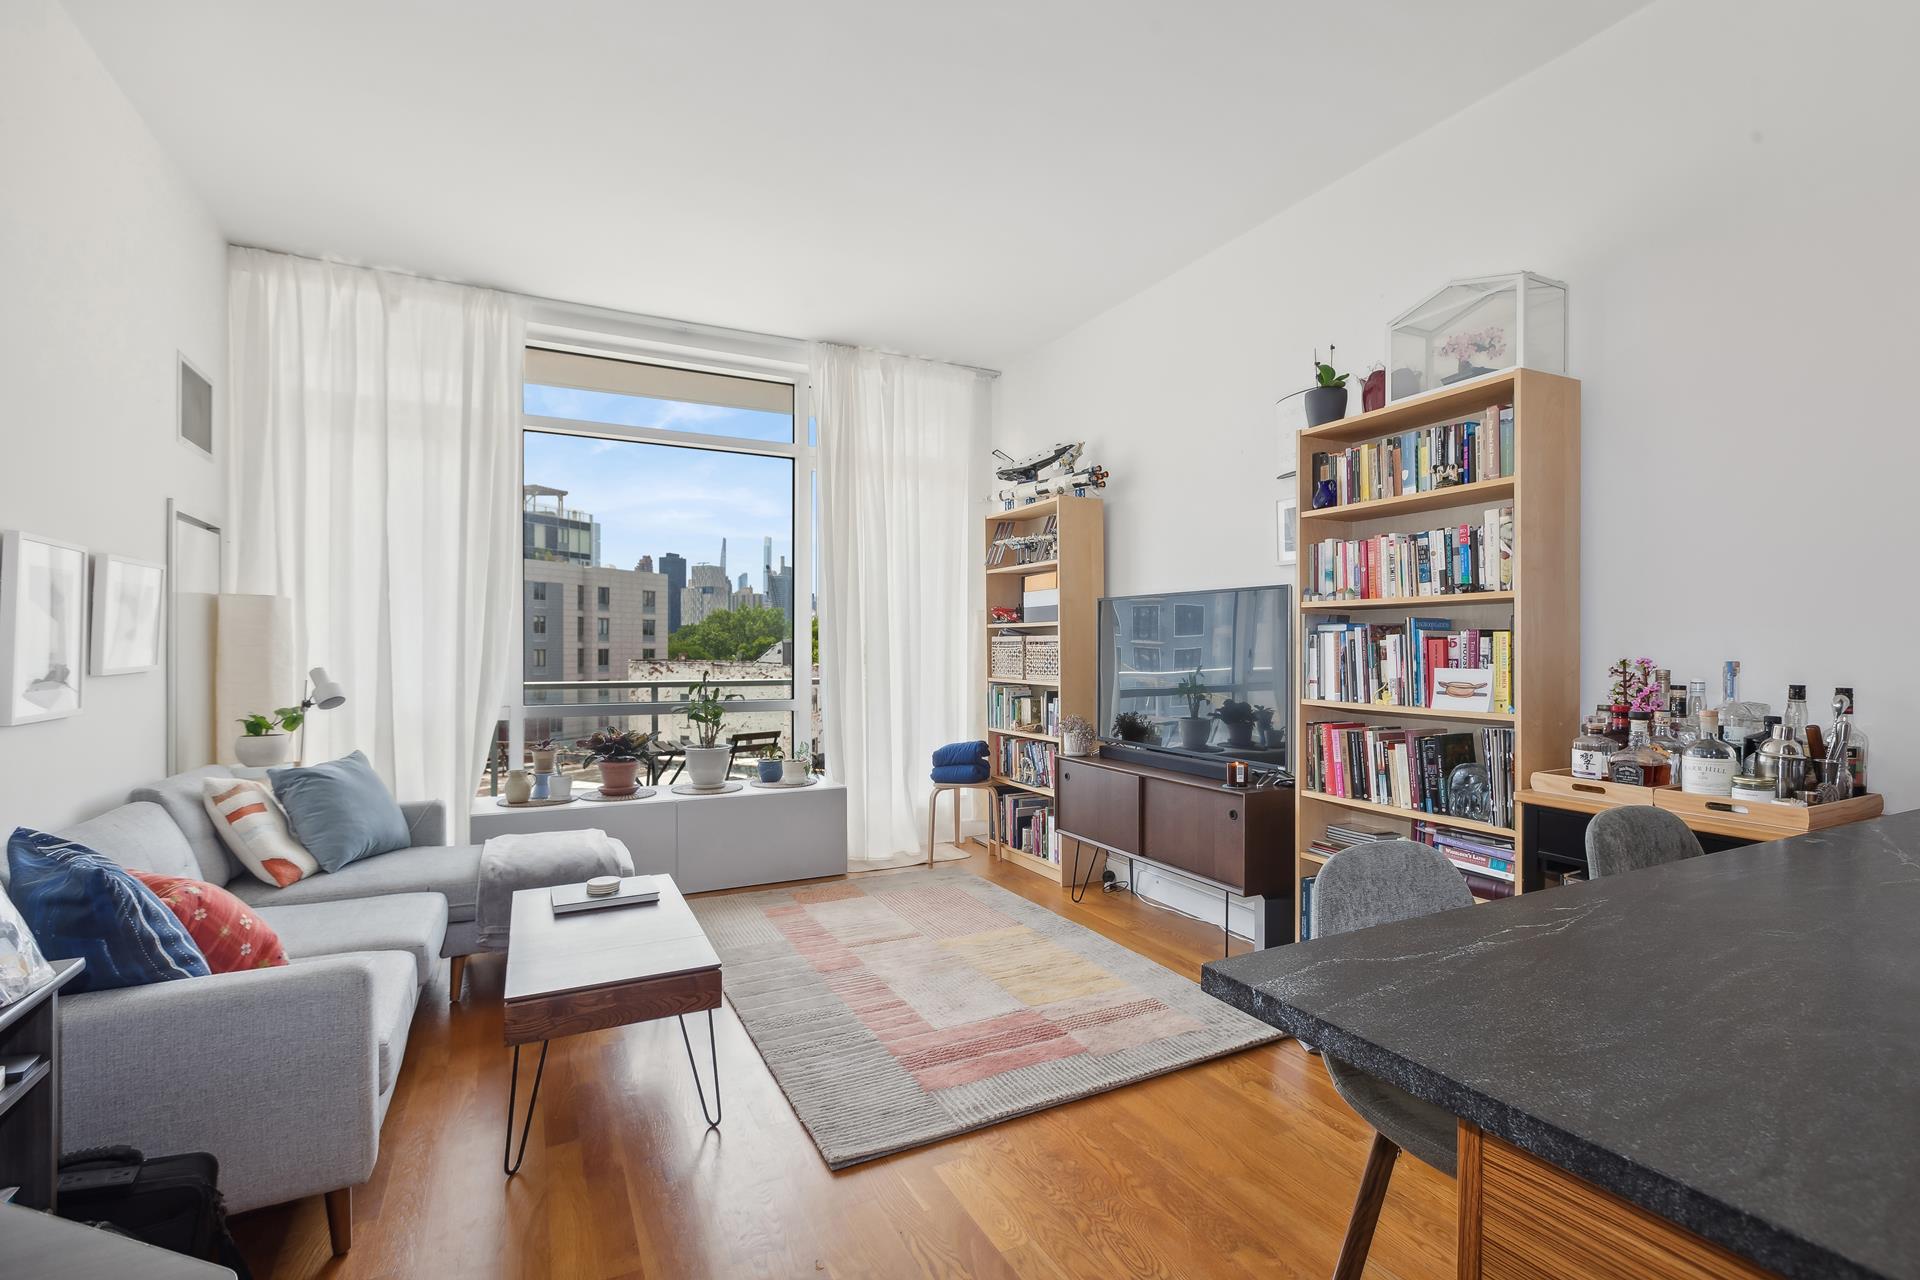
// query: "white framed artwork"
[[1287, 530], [128, 597], [194, 407], [1468, 689], [43, 626]]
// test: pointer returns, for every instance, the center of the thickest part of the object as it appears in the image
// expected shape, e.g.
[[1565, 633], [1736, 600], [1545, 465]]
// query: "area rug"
[[899, 1010]]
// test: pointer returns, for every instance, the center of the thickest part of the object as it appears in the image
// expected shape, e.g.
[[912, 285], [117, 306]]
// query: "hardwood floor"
[[1242, 1167]]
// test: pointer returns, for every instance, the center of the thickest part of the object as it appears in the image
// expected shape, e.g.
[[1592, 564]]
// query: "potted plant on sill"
[[544, 754], [1132, 726], [1239, 719], [1195, 727], [795, 768], [267, 740], [620, 756], [1327, 398], [707, 763], [770, 764]]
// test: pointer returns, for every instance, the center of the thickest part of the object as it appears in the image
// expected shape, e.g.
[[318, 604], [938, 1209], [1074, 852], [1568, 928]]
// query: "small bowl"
[[603, 886]]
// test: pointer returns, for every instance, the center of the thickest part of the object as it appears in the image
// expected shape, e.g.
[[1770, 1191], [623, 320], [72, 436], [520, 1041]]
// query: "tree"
[[731, 635], [816, 639]]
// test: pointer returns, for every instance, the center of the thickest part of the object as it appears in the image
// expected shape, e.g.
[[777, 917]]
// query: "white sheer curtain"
[[372, 480], [902, 450]]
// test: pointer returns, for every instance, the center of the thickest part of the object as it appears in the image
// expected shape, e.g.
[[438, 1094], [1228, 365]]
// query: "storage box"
[[1006, 658], [1040, 597], [1475, 327], [1751, 818], [1042, 658]]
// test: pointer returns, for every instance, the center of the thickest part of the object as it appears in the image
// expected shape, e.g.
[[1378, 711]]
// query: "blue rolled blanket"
[[960, 753], [960, 773]]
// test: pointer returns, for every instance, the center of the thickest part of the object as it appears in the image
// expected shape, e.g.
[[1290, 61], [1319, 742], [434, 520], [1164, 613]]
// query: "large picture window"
[[664, 503]]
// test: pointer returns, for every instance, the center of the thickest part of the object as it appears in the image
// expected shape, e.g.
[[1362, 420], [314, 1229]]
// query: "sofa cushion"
[[79, 905], [415, 923], [395, 993], [453, 871], [179, 795], [254, 829], [137, 835], [340, 811], [231, 935]]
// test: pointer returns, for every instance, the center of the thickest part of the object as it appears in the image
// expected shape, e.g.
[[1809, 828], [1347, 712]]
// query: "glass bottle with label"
[[1796, 717], [1665, 740], [1739, 719], [1856, 741], [1638, 763], [1592, 749], [1709, 765]]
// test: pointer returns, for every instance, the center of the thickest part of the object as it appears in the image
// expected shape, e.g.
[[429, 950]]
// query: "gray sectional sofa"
[[284, 1074]]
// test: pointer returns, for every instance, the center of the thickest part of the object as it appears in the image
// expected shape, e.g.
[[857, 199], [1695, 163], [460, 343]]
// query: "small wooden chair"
[[750, 745], [933, 808]]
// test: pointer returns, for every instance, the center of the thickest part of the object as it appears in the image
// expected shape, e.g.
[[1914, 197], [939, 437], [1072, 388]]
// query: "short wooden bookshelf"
[[1542, 608], [1079, 565]]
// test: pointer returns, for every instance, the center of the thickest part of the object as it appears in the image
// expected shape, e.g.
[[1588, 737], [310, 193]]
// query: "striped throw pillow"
[[252, 825]]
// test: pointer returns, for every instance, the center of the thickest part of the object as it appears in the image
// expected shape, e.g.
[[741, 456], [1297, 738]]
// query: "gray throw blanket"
[[539, 860]]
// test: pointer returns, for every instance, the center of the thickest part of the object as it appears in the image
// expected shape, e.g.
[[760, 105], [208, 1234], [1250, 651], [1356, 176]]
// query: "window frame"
[[595, 332]]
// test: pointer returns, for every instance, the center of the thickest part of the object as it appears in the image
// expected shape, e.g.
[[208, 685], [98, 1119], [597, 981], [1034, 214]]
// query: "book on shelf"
[[1453, 560], [1306, 907], [1407, 768], [1393, 664], [1464, 451], [1027, 823], [1025, 760], [1489, 856], [1012, 706]]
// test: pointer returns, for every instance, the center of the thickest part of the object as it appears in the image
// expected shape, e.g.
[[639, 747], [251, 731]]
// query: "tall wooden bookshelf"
[[1543, 608], [1081, 566]]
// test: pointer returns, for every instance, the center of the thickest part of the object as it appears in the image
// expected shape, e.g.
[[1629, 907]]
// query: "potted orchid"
[[1327, 398]]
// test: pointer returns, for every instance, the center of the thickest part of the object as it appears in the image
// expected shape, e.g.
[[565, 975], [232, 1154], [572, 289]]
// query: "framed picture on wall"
[[1287, 531], [128, 599], [195, 406], [43, 624]]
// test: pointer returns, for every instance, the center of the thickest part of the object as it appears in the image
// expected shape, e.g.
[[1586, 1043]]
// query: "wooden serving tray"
[[1561, 782], [1746, 817]]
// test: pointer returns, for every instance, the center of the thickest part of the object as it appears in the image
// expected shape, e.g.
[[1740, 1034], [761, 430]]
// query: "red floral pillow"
[[228, 933]]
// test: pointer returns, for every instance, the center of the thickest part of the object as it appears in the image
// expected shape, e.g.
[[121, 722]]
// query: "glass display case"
[[1476, 327]]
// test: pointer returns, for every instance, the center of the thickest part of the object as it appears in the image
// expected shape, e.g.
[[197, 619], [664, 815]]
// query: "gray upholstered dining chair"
[[1636, 836], [1364, 885]]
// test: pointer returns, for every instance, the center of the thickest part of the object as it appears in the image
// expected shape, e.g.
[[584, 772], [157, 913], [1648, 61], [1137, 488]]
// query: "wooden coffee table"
[[592, 970]]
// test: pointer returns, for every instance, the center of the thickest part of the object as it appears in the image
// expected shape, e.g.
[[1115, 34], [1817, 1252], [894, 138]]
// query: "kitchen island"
[[1710, 1068]]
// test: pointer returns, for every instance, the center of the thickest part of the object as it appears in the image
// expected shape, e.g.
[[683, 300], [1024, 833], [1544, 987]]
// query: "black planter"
[[1326, 404]]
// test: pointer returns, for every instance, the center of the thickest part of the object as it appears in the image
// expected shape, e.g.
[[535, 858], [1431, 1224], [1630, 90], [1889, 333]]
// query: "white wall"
[[109, 266], [1730, 190]]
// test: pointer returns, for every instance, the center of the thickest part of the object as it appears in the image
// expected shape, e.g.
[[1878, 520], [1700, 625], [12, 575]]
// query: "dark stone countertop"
[[1731, 1042]]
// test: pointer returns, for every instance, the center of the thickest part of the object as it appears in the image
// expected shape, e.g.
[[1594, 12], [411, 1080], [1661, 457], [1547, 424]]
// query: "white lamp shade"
[[326, 694]]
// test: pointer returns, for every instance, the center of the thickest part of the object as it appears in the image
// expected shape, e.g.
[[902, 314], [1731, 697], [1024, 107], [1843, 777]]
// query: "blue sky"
[[651, 499]]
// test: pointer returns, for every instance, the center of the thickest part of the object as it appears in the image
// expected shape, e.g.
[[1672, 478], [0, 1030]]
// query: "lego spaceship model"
[[1047, 473]]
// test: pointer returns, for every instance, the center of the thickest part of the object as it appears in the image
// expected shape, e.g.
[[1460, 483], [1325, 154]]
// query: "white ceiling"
[[963, 180]]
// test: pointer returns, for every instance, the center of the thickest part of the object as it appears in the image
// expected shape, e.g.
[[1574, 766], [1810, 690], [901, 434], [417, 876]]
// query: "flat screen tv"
[[1222, 653]]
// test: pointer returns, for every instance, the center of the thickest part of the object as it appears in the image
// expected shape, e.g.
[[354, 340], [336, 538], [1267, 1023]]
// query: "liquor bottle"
[[1738, 719], [1617, 728], [1665, 740], [1709, 765], [1796, 717], [1592, 749], [1637, 763], [1856, 742]]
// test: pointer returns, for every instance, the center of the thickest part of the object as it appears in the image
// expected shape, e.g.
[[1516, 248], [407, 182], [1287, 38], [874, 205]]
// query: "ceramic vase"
[[519, 788], [263, 750]]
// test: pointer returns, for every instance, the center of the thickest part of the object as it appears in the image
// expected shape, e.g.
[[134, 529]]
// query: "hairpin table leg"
[[713, 1121], [533, 1100]]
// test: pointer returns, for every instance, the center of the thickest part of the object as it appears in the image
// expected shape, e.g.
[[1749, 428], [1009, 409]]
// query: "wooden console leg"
[[456, 976], [340, 1220], [1366, 1209]]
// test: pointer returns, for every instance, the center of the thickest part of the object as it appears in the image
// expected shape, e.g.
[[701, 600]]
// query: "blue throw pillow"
[[340, 811], [79, 905]]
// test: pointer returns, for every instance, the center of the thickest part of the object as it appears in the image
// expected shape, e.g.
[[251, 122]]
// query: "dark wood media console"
[[1235, 840]]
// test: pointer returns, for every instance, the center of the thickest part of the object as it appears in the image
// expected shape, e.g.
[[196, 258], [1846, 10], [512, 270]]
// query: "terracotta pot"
[[619, 777], [263, 750], [707, 766]]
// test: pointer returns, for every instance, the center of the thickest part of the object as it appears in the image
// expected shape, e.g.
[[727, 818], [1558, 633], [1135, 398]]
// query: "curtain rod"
[[690, 326]]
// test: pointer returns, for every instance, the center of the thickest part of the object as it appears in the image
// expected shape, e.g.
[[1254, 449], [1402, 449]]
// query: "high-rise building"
[[551, 530], [766, 565], [645, 565], [780, 588], [743, 584], [674, 566], [707, 592], [723, 558]]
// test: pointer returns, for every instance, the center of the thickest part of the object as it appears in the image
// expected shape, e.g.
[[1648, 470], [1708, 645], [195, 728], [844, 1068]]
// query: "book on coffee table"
[[634, 891]]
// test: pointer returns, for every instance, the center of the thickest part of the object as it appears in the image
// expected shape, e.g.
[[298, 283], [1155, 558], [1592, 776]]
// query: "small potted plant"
[[794, 769], [1076, 736], [1196, 726], [1263, 721], [1238, 717], [769, 764], [707, 763], [1327, 397], [266, 740], [620, 755], [1132, 726], [544, 754]]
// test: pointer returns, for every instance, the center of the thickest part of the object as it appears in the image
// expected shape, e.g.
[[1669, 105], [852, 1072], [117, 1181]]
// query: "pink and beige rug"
[[899, 1010]]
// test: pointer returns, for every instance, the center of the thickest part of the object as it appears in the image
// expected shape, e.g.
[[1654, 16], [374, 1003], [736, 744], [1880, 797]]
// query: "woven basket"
[[1006, 658], [1043, 658]]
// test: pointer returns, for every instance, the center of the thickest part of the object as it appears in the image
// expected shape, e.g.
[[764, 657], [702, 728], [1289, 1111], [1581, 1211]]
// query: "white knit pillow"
[[252, 825]]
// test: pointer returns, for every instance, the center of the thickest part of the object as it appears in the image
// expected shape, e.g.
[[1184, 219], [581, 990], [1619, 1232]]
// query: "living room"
[[754, 641]]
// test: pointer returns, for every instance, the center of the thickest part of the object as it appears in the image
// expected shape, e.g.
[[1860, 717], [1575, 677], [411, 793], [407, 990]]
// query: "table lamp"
[[322, 692]]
